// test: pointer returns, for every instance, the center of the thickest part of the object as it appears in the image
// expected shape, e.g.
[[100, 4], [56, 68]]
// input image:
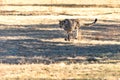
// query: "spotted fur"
[[71, 26]]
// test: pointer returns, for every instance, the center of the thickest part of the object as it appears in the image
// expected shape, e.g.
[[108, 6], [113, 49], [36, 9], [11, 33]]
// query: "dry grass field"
[[60, 71], [32, 45]]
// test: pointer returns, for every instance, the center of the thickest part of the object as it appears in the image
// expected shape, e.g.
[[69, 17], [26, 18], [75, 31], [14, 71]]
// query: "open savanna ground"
[[32, 45], [35, 39], [60, 2], [60, 71], [38, 39]]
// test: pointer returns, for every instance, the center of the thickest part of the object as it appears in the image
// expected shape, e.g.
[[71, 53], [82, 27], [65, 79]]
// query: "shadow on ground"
[[33, 43]]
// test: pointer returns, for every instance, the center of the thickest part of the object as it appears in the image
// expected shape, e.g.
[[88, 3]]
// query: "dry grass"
[[29, 34], [20, 49], [61, 1], [60, 71], [56, 10]]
